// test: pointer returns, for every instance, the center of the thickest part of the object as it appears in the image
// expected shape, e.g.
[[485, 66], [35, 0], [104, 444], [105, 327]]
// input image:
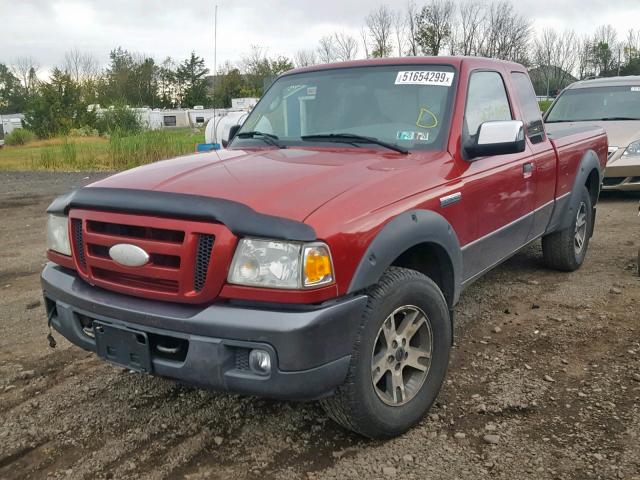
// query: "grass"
[[544, 105], [118, 152]]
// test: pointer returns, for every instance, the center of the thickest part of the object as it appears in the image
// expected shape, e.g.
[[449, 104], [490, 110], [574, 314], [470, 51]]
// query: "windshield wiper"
[[604, 119], [354, 138], [265, 137]]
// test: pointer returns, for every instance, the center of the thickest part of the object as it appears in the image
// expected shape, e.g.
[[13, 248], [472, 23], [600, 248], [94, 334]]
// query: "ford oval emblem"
[[128, 255]]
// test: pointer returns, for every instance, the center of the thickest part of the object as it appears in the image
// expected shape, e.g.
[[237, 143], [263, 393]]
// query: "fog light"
[[260, 362]]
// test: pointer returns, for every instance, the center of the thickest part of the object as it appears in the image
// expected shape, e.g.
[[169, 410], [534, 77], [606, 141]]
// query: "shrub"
[[119, 120], [19, 136], [84, 131]]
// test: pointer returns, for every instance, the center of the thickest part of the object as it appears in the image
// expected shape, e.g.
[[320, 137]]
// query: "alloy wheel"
[[580, 235], [401, 355]]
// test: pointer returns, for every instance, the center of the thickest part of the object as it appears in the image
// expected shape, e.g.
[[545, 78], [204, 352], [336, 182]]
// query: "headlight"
[[58, 234], [633, 150], [276, 264]]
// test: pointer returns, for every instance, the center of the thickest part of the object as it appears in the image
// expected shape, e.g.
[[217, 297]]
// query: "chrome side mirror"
[[497, 138]]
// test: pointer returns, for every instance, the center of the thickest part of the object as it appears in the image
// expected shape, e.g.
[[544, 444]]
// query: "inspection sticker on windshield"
[[423, 77]]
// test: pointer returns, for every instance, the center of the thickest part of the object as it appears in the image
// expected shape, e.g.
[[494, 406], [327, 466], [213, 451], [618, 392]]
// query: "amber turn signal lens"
[[317, 266]]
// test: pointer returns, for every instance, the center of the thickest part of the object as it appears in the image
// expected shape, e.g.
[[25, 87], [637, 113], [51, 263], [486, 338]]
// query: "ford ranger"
[[321, 255]]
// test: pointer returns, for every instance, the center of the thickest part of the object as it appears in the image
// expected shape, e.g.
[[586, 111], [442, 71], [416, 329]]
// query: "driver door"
[[499, 187]]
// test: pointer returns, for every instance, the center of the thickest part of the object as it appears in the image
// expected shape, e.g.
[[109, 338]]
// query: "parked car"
[[321, 255], [614, 104]]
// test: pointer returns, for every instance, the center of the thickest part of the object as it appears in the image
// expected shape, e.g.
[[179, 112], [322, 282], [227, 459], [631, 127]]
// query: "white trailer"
[[9, 123]]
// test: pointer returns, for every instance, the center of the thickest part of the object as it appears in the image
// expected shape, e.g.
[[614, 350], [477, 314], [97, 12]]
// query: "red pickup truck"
[[321, 255]]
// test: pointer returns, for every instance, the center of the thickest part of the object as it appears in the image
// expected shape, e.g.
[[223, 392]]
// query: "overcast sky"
[[45, 29]]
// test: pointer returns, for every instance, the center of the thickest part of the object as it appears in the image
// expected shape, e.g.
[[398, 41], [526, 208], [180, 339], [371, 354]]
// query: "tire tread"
[[342, 406]]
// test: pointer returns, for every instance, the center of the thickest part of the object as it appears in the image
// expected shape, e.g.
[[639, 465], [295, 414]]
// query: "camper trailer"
[[9, 123]]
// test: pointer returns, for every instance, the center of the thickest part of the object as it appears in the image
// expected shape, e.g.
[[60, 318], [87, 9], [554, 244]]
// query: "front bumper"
[[310, 347], [622, 173]]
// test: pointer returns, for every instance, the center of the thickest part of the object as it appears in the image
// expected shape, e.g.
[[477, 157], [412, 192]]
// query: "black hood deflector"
[[237, 217]]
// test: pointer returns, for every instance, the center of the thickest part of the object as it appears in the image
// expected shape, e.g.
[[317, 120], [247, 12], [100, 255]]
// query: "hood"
[[290, 183], [620, 133]]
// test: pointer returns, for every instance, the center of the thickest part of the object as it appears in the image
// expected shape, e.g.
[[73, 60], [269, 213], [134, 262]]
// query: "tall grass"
[[66, 156], [126, 151], [118, 152]]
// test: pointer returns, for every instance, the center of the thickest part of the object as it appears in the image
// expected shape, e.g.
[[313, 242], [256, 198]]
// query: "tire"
[[560, 249], [371, 410]]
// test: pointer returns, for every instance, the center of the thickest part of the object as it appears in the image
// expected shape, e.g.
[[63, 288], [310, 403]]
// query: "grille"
[[136, 231], [242, 359], [182, 266], [136, 281], [78, 242], [205, 245]]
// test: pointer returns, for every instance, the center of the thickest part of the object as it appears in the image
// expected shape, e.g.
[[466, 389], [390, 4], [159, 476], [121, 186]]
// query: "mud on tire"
[[406, 315]]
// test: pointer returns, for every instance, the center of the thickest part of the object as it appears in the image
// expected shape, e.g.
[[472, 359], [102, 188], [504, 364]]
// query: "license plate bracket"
[[123, 346]]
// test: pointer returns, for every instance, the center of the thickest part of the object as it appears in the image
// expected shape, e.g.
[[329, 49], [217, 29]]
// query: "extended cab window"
[[530, 109], [486, 101], [408, 105]]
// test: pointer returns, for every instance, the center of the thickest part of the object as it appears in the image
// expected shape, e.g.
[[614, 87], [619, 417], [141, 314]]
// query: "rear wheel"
[[399, 359], [566, 249]]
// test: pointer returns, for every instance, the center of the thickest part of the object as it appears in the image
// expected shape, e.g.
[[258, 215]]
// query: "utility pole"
[[215, 52]]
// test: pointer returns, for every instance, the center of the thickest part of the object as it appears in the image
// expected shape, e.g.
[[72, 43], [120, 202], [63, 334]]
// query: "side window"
[[530, 109], [486, 100]]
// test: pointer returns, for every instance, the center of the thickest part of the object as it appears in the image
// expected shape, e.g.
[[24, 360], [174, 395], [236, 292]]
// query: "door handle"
[[527, 170]]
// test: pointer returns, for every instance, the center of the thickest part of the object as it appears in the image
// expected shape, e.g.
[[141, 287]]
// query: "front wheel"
[[399, 359], [566, 249]]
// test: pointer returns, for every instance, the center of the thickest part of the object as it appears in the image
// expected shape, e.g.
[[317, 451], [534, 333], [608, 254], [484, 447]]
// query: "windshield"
[[597, 103], [406, 105]]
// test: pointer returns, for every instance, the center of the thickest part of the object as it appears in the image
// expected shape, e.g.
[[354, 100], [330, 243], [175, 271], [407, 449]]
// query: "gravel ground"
[[544, 382]]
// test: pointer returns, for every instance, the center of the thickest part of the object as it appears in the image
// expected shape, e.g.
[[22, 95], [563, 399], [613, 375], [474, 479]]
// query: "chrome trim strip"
[[449, 199], [504, 227]]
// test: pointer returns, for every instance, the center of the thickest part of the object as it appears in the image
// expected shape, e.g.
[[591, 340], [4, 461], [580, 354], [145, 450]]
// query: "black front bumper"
[[310, 348]]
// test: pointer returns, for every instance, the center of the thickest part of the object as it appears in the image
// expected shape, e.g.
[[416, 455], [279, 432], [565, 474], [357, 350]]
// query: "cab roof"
[[457, 61]]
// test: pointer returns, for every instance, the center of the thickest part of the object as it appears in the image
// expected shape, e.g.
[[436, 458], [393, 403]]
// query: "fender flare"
[[563, 216], [405, 231]]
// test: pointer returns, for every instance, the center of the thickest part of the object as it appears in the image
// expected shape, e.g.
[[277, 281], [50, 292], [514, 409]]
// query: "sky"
[[46, 29]]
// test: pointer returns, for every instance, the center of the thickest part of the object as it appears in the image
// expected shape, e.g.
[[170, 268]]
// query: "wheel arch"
[[421, 240], [588, 174]]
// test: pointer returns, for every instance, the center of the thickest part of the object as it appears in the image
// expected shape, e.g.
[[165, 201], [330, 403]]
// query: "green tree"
[[602, 58], [229, 83], [260, 70], [631, 68], [167, 83], [58, 107], [434, 26], [12, 95], [191, 75], [131, 79]]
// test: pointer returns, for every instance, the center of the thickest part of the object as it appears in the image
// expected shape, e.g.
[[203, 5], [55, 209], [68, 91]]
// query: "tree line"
[[435, 27]]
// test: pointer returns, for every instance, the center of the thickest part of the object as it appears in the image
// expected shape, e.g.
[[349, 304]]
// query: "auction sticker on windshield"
[[422, 77]]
